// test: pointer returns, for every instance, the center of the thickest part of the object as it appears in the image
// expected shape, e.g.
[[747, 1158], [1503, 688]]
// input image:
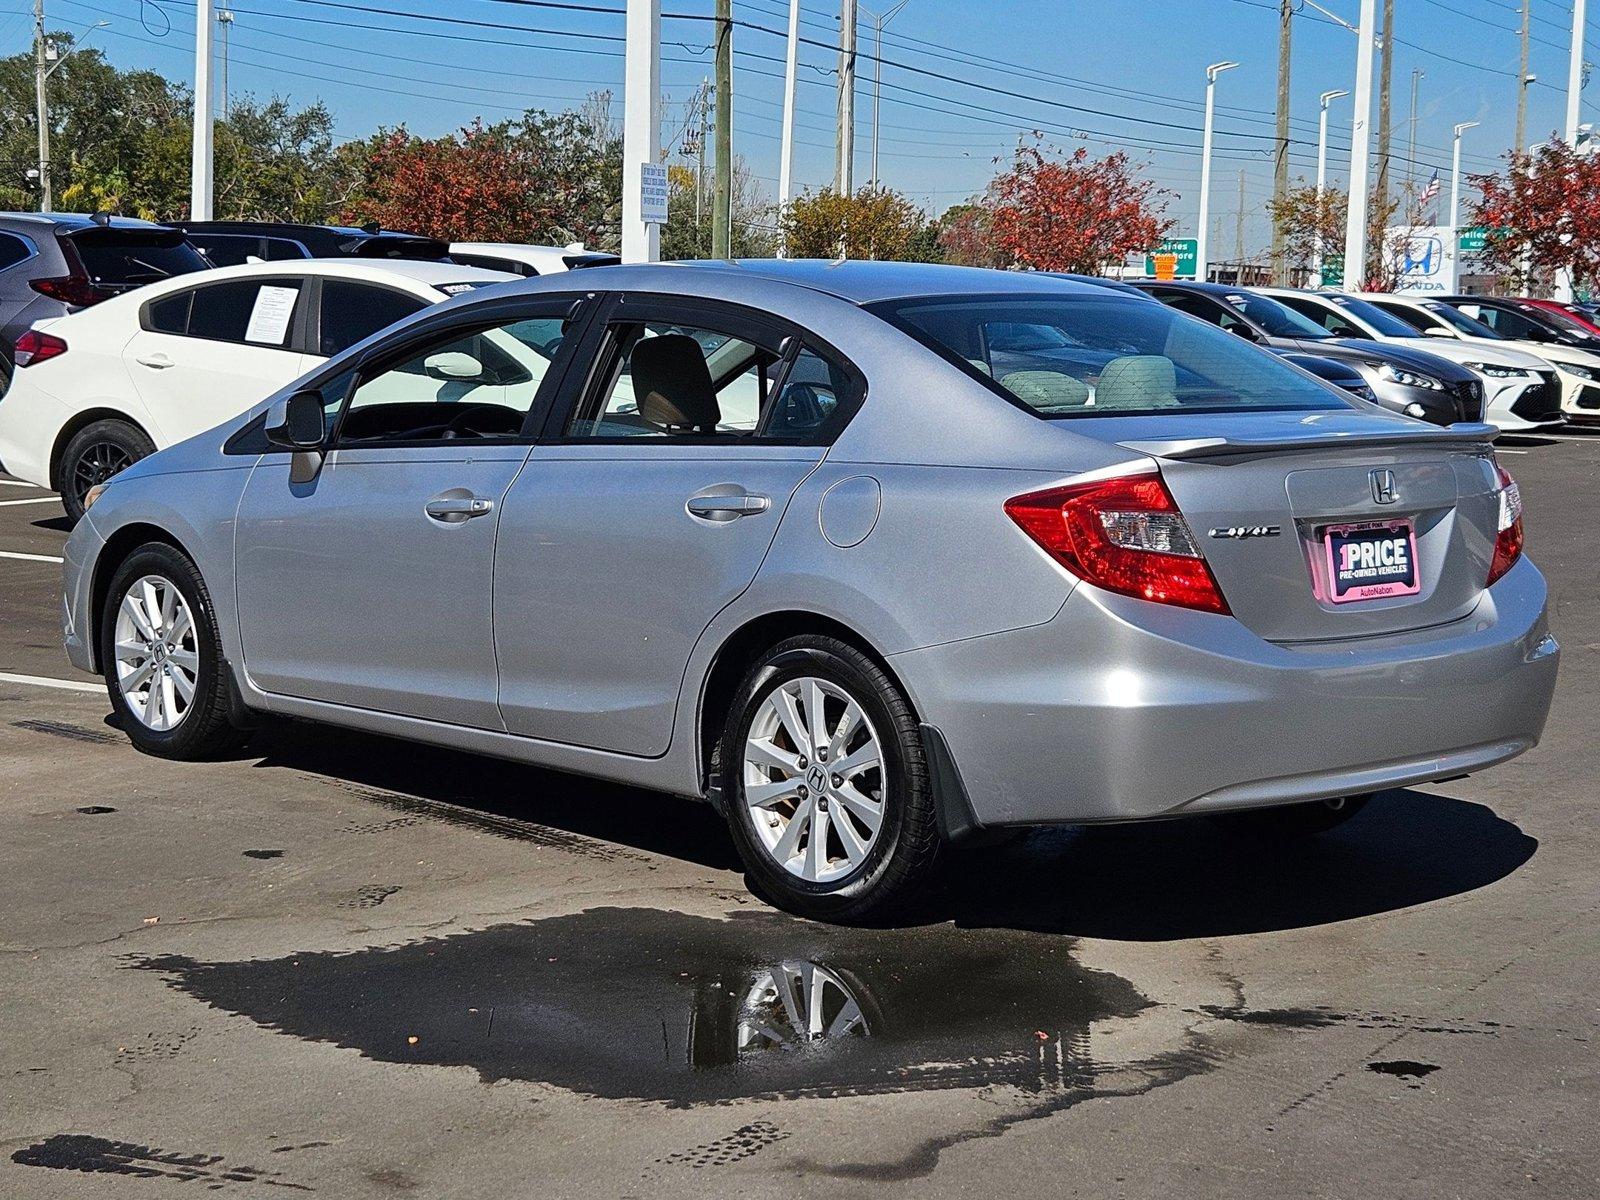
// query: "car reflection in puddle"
[[645, 1004]]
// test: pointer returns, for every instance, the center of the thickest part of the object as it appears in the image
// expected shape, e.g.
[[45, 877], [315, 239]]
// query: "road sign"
[[1333, 271], [1181, 251], [1472, 239], [653, 193]]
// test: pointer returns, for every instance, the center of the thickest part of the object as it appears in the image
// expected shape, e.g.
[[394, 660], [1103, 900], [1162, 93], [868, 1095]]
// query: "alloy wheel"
[[814, 779], [157, 654]]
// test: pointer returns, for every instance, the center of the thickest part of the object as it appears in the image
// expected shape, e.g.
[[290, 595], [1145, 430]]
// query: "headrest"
[[1047, 389], [1137, 381], [672, 384]]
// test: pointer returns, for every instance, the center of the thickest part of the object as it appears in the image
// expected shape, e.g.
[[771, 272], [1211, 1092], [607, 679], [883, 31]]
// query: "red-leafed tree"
[[1074, 213], [1542, 214]]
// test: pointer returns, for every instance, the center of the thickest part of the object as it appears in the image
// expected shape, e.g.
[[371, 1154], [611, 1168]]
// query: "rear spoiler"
[[1461, 434]]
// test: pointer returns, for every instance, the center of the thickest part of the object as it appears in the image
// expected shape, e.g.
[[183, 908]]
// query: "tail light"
[[77, 290], [35, 347], [1508, 533], [1125, 535]]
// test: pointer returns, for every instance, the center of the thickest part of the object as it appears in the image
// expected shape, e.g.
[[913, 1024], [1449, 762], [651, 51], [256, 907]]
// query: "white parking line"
[[70, 685], [18, 483], [29, 557], [30, 500]]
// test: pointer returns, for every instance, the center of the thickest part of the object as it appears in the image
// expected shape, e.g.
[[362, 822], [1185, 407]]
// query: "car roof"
[[77, 221], [511, 249], [1193, 285], [375, 269], [861, 281]]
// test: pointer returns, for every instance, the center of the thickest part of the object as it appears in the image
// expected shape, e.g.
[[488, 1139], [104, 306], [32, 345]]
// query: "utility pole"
[[42, 104], [1564, 280], [1523, 78], [224, 24], [1385, 125], [786, 154], [641, 126], [1411, 145], [1280, 162], [700, 166], [722, 198], [200, 164], [1355, 230], [843, 176], [1238, 238]]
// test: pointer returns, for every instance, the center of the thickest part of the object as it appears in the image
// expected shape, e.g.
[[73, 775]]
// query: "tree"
[[966, 236], [1075, 213], [875, 223], [1541, 214], [539, 178], [276, 164], [1307, 219], [687, 233]]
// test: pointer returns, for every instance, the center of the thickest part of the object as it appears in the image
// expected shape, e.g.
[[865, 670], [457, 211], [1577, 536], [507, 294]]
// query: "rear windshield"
[[418, 248], [125, 258], [574, 262], [1068, 356]]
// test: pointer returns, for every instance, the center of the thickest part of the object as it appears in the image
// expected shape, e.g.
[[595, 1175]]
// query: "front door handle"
[[156, 362], [728, 508], [452, 510]]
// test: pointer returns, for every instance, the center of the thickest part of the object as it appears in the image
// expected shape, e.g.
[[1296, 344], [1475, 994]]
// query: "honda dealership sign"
[[1424, 259]]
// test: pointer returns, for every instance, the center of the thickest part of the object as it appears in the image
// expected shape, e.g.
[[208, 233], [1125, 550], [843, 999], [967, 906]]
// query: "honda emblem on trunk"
[[1383, 486]]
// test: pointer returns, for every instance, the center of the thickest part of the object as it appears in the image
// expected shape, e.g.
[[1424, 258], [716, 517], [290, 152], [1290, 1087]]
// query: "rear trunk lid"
[[1275, 499]]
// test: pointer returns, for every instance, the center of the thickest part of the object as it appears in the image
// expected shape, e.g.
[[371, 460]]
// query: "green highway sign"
[[1333, 271], [1472, 239], [1172, 259]]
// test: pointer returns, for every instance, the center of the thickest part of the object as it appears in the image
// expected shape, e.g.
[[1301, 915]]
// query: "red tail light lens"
[[1508, 534], [76, 290], [1125, 535], [35, 347]]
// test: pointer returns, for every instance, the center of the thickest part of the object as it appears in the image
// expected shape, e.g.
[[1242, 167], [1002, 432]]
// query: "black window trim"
[[295, 343], [314, 310], [723, 316], [493, 315]]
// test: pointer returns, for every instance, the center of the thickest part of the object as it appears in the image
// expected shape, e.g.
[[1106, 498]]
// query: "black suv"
[[229, 243], [55, 263]]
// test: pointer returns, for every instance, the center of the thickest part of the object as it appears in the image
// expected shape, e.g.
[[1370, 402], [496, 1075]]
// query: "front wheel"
[[162, 657], [826, 783], [96, 453], [1294, 820]]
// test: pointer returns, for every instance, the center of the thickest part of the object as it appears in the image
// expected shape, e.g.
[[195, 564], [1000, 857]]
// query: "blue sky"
[[1102, 73]]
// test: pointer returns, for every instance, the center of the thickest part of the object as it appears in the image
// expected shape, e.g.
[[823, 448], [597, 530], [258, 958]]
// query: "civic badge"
[[1383, 488]]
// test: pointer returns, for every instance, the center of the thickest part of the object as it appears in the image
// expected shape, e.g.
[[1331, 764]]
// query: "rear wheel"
[[826, 783], [97, 452], [1294, 820], [162, 658]]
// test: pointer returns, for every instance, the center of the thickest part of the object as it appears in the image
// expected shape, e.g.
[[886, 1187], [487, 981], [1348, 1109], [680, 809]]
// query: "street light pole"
[[879, 20], [1202, 234], [1455, 172], [786, 152], [1322, 173], [200, 189], [641, 130], [1355, 230], [1564, 280]]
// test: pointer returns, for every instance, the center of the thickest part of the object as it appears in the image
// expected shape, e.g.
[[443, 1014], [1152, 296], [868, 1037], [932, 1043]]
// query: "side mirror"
[[452, 364], [297, 423]]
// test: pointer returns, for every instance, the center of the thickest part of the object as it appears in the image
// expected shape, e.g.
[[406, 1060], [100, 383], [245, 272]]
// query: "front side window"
[[353, 312], [1115, 356], [669, 380], [473, 385], [255, 312]]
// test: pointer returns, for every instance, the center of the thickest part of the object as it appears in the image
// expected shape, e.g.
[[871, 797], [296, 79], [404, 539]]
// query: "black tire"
[[899, 862], [1293, 820], [204, 729], [97, 452]]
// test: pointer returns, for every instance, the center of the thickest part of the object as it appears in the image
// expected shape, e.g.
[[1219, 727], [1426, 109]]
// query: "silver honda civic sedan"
[[875, 558]]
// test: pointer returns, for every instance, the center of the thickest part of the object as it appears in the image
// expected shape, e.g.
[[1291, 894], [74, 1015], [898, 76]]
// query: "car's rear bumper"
[[1118, 709], [30, 421]]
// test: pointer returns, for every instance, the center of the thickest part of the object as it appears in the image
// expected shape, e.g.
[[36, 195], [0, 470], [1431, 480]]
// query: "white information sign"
[[269, 319], [1425, 259], [653, 193]]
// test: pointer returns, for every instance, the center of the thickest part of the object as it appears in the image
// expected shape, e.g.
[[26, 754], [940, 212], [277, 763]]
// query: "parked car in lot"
[[52, 264], [1332, 370], [999, 551], [529, 261], [1400, 378], [1578, 370], [232, 243], [1585, 316], [100, 389], [1521, 392]]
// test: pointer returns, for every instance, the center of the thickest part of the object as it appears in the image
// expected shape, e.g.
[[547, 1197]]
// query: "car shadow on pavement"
[[60, 524], [1190, 878]]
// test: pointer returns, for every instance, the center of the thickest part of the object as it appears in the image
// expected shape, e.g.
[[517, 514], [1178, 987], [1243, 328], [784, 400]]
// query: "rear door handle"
[[452, 510], [728, 508], [157, 362]]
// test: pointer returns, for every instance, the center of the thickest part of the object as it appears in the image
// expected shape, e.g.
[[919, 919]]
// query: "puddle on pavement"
[[646, 1004]]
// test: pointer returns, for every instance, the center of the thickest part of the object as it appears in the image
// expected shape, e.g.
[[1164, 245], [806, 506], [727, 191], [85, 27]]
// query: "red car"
[[1563, 312]]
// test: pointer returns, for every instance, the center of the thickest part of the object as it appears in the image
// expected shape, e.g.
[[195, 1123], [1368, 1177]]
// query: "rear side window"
[[353, 312], [252, 312], [13, 249], [1104, 356], [170, 314], [120, 259]]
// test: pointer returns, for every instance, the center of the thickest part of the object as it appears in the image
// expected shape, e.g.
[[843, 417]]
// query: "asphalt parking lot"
[[344, 965]]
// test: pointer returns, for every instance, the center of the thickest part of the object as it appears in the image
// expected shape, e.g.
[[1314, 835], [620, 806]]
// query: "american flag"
[[1428, 194]]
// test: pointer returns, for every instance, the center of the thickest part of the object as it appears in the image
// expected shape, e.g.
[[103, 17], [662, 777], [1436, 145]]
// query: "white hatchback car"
[[99, 389]]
